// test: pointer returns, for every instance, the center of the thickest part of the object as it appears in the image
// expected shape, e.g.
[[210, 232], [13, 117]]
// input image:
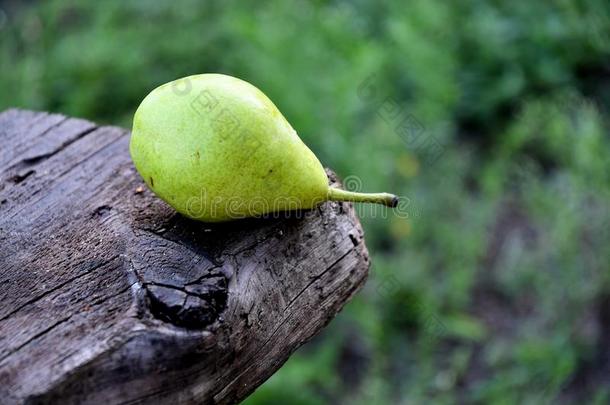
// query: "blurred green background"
[[495, 287]]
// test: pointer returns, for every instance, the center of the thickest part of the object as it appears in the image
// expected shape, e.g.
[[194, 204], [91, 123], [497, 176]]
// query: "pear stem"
[[336, 194]]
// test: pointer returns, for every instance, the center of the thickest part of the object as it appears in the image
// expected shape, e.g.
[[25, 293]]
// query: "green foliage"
[[493, 286]]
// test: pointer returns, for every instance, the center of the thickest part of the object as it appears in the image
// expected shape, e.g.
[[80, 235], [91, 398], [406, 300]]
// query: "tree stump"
[[109, 296]]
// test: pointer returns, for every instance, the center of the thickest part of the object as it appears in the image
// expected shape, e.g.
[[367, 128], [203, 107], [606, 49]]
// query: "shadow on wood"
[[107, 295]]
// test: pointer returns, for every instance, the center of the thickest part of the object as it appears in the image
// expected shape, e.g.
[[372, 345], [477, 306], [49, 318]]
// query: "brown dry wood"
[[108, 296]]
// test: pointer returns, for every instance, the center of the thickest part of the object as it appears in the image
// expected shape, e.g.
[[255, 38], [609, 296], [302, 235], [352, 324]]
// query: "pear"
[[215, 148]]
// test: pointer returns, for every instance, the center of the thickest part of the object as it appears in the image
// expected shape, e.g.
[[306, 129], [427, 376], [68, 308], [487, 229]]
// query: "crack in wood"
[[18, 178], [35, 337], [34, 160], [58, 287], [316, 278]]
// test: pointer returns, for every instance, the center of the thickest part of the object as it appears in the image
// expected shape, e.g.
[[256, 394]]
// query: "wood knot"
[[193, 306], [181, 285]]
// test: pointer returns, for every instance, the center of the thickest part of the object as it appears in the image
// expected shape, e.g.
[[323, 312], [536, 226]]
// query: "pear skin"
[[215, 148]]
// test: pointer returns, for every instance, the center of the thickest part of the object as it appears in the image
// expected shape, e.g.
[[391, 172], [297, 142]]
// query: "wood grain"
[[108, 296]]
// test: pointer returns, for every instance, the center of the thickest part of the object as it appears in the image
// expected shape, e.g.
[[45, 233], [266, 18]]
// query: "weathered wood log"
[[108, 296]]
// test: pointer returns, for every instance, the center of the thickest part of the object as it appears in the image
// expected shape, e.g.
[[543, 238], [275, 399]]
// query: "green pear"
[[215, 148]]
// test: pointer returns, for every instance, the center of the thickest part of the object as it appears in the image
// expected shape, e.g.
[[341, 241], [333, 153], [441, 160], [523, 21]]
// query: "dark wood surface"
[[108, 296]]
